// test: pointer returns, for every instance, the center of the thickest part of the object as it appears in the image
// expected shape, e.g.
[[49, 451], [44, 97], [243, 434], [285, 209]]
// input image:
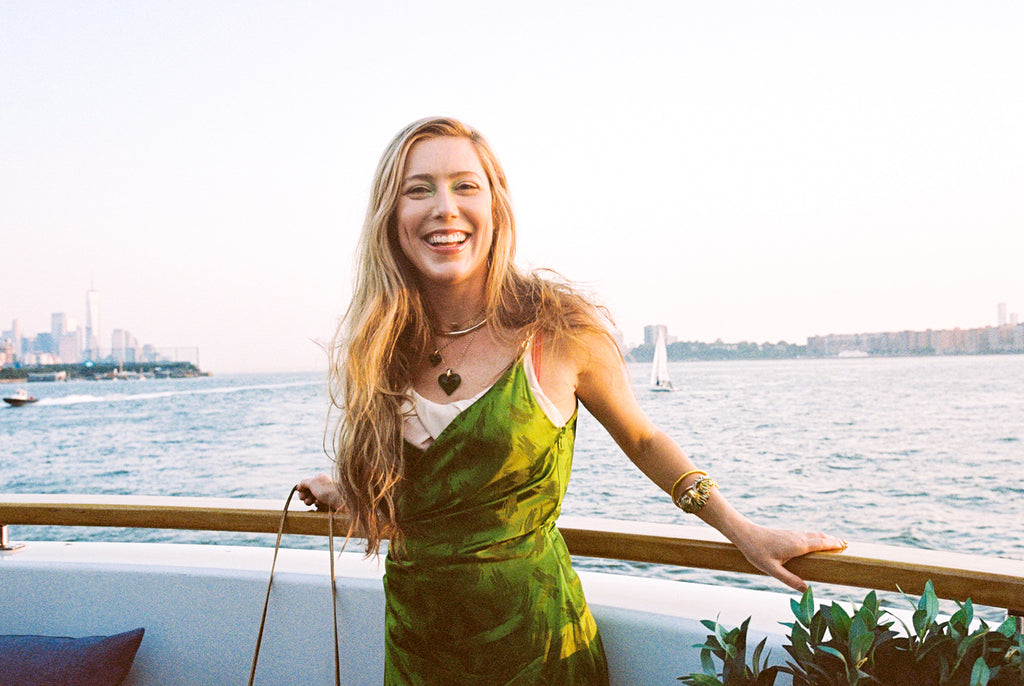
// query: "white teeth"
[[446, 238]]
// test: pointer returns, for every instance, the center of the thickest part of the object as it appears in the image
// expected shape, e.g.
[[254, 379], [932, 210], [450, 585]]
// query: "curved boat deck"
[[200, 604]]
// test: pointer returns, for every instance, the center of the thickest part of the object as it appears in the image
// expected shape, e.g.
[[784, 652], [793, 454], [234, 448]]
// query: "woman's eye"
[[466, 186], [417, 191]]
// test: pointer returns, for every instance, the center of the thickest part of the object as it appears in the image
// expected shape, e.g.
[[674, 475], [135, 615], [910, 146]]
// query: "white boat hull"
[[200, 606]]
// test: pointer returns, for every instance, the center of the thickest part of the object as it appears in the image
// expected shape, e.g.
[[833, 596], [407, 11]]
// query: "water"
[[920, 452]]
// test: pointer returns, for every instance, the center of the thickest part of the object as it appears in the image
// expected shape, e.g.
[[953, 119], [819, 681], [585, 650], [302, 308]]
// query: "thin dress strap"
[[535, 355]]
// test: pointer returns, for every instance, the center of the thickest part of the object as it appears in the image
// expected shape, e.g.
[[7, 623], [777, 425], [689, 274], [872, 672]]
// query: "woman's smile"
[[447, 238]]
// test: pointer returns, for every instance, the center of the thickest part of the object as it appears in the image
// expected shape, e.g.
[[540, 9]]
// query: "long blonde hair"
[[386, 329]]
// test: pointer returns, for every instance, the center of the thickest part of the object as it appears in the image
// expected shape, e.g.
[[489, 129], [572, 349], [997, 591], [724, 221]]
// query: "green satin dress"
[[483, 592]]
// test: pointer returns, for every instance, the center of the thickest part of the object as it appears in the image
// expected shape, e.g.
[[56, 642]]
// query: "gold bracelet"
[[696, 496], [680, 480]]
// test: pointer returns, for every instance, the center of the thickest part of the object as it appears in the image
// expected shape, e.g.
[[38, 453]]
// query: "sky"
[[745, 171]]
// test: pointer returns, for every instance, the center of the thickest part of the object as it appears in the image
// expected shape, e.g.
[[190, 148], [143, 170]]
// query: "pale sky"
[[755, 171]]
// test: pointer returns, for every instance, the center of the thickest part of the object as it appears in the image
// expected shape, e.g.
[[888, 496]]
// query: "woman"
[[458, 378]]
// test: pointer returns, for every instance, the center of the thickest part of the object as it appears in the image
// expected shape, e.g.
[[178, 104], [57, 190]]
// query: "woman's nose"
[[445, 204]]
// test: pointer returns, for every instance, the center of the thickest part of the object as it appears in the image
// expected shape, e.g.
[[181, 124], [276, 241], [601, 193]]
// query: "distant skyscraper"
[[651, 333], [92, 324], [1002, 314], [16, 338], [58, 325], [117, 345]]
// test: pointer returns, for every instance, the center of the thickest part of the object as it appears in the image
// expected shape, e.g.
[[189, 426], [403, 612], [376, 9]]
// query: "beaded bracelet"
[[696, 496]]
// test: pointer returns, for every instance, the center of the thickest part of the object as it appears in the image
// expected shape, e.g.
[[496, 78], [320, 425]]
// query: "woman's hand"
[[321, 491], [769, 549]]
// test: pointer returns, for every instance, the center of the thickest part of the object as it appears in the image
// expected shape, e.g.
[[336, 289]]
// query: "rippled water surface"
[[920, 452]]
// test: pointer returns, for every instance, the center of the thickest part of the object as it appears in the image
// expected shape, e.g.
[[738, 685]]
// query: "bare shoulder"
[[570, 365]]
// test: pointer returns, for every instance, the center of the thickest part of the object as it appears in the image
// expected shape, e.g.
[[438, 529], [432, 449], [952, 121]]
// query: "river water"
[[920, 452]]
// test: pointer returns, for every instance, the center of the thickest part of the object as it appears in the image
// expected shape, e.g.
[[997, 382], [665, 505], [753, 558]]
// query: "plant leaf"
[[838, 623], [700, 680], [860, 645], [980, 674], [929, 603], [721, 634], [756, 661], [805, 608], [1008, 628], [832, 651], [707, 664]]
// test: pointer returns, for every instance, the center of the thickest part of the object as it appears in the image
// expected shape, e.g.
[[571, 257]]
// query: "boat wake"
[[78, 399]]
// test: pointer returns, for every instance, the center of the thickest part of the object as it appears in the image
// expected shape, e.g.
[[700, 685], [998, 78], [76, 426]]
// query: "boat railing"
[[994, 582]]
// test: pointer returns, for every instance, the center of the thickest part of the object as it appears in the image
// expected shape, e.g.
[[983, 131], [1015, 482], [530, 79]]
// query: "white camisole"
[[425, 419]]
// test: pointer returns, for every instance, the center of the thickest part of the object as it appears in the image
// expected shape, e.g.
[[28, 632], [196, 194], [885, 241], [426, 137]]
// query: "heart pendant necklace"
[[449, 380]]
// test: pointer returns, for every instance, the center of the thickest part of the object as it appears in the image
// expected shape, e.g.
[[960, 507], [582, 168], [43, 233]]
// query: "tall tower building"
[[16, 336], [1001, 308], [92, 325], [651, 333], [58, 325]]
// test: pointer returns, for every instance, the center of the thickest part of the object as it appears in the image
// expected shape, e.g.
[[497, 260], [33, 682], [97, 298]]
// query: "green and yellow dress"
[[483, 591]]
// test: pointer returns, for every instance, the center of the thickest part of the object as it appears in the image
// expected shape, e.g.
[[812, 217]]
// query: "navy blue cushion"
[[59, 661]]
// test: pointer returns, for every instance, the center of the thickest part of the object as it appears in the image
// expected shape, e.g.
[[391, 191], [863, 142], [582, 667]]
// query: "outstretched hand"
[[322, 492], [770, 549]]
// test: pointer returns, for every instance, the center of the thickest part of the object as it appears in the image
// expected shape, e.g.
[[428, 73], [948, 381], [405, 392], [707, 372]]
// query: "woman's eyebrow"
[[430, 177]]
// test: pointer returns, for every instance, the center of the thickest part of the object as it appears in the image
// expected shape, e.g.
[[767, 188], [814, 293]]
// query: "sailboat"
[[660, 380]]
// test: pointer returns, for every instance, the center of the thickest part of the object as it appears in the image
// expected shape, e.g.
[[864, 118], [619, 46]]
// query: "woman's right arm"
[[321, 491]]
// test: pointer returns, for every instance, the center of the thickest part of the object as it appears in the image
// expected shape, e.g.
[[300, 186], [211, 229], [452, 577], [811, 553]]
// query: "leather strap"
[[270, 582]]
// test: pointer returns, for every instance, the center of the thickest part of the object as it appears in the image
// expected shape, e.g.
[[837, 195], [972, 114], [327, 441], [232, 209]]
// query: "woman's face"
[[444, 221]]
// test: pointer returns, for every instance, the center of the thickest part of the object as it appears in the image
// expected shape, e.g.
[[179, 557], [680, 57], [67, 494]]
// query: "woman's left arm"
[[602, 384]]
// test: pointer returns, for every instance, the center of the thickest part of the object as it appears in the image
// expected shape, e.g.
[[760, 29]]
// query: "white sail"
[[660, 380]]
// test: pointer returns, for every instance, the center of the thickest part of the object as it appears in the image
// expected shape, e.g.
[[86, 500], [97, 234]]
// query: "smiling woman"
[[457, 378]]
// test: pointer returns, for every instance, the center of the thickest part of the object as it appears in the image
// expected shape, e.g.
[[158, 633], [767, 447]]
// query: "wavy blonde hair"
[[386, 330]]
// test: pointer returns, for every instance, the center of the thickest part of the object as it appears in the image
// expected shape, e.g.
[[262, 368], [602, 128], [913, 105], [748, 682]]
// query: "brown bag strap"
[[270, 582]]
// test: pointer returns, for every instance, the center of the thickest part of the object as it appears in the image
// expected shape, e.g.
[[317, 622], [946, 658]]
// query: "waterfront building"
[[92, 325], [990, 339], [6, 352], [123, 346], [58, 325], [12, 343], [65, 338], [69, 348]]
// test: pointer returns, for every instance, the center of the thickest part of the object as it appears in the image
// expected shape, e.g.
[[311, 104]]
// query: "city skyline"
[[743, 171], [67, 343]]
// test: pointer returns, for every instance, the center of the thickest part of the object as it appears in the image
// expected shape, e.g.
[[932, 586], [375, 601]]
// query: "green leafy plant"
[[730, 647], [959, 651], [831, 647]]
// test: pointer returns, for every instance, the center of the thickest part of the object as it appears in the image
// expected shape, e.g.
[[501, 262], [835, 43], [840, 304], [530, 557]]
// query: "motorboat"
[[20, 397], [200, 605]]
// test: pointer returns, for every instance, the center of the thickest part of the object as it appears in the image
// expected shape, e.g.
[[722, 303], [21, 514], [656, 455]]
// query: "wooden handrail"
[[995, 582]]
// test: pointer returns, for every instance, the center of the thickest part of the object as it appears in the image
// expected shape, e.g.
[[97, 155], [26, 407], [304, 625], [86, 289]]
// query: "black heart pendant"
[[449, 381], [435, 358]]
